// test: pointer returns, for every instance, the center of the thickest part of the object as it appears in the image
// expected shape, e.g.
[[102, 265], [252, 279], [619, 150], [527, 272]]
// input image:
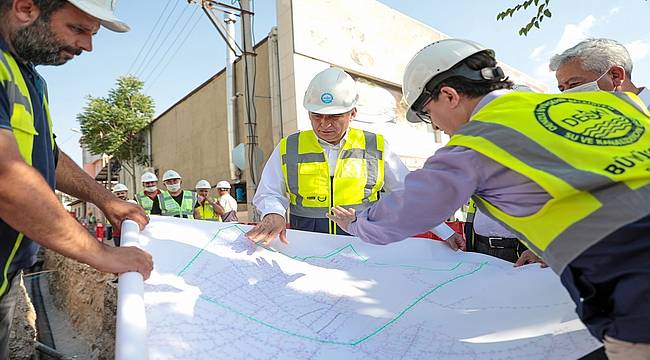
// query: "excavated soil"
[[89, 300], [22, 335]]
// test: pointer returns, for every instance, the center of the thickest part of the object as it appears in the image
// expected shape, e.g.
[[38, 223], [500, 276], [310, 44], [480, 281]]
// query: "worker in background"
[[148, 197], [206, 208], [554, 169], [52, 32], [175, 201], [311, 171], [122, 192], [227, 202], [596, 64]]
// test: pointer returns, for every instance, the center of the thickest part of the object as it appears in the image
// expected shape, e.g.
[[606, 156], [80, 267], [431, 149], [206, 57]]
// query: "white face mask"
[[173, 187], [150, 188], [590, 86]]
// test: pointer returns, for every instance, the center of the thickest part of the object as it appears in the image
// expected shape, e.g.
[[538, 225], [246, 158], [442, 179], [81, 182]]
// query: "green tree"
[[542, 11], [113, 125]]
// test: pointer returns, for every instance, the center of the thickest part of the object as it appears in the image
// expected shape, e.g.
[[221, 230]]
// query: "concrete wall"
[[191, 136]]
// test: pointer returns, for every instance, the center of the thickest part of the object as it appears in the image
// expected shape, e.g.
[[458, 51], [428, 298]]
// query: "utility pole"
[[229, 20], [211, 8], [248, 56]]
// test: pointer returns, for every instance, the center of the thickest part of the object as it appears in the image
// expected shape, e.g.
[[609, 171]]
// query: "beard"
[[38, 45]]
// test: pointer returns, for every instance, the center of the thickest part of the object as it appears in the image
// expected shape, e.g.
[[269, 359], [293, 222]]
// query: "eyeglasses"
[[421, 113]]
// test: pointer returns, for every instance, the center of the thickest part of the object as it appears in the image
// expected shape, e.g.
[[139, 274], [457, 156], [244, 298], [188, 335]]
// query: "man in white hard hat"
[[596, 64], [40, 32], [122, 192], [227, 202], [148, 197], [206, 208], [558, 170], [312, 171], [175, 201]]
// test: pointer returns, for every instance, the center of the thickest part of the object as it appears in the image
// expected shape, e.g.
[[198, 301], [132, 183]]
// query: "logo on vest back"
[[587, 122]]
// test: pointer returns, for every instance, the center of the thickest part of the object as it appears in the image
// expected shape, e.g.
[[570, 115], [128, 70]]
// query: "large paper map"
[[216, 294]]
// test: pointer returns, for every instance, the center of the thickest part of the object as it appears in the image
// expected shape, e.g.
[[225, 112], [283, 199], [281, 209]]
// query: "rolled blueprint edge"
[[131, 321]]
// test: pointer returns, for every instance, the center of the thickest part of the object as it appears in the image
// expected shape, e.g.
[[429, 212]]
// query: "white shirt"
[[228, 203], [644, 95], [270, 197], [485, 226]]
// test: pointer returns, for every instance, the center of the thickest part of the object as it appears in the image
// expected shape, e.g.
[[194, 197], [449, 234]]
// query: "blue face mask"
[[589, 86]]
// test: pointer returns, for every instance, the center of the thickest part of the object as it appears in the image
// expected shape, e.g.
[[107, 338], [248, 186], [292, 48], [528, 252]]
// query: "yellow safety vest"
[[358, 177], [589, 151], [169, 206], [206, 212], [22, 123], [144, 201]]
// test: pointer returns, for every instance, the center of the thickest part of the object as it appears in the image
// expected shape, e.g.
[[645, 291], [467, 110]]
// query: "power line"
[[144, 59], [162, 71], [153, 29], [178, 35]]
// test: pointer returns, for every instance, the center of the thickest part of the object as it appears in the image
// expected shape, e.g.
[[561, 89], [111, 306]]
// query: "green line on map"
[[325, 257], [305, 258], [346, 343]]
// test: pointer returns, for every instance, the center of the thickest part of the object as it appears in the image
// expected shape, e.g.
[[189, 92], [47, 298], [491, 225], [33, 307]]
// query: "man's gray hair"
[[597, 55]]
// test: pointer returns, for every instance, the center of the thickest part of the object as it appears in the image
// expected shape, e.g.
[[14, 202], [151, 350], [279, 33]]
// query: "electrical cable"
[[153, 29], [144, 59], [164, 56], [162, 71]]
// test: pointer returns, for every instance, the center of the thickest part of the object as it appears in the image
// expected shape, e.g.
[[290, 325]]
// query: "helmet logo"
[[327, 98]]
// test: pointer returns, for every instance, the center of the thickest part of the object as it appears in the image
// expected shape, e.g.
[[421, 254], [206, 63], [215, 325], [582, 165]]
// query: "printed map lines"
[[330, 255]]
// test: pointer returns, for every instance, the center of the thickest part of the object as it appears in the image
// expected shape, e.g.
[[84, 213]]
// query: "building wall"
[[316, 34], [191, 137]]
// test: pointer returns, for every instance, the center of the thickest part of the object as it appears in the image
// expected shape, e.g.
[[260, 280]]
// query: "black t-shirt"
[[155, 208]]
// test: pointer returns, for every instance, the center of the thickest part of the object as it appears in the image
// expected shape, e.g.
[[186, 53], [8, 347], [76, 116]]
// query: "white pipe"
[[229, 19], [131, 320]]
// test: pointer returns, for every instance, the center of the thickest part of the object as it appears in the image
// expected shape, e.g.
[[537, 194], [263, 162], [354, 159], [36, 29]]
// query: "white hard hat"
[[171, 174], [203, 184], [104, 10], [431, 61], [120, 187], [148, 177], [331, 91], [223, 184]]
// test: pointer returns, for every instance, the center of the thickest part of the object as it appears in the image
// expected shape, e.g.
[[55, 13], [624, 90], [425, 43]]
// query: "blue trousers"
[[313, 225], [610, 284]]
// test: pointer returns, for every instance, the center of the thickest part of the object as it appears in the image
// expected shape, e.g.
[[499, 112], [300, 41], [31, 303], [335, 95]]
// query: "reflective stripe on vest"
[[206, 212], [169, 206], [22, 123], [589, 151], [144, 201], [358, 177]]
